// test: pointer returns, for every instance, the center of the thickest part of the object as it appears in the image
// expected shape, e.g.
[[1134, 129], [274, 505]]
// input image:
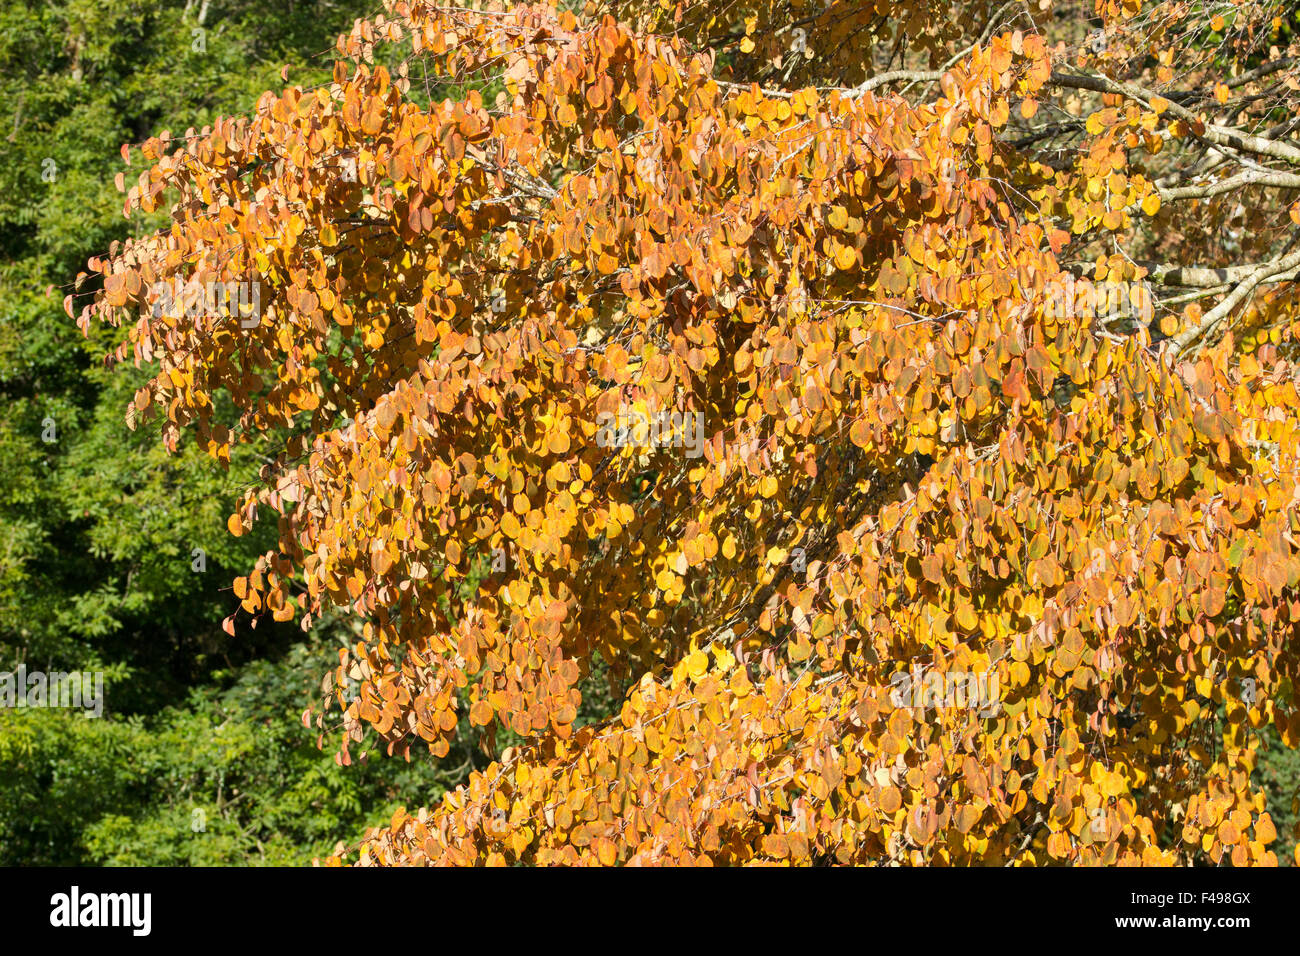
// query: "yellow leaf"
[[697, 662], [606, 852]]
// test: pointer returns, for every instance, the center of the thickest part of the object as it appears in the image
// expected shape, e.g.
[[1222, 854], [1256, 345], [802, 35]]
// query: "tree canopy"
[[966, 530]]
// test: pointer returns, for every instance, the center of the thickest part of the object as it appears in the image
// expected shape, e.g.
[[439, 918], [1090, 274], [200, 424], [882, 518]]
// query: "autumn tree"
[[963, 528]]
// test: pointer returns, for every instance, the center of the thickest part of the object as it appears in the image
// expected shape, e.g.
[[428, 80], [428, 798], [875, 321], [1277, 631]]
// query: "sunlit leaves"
[[856, 446]]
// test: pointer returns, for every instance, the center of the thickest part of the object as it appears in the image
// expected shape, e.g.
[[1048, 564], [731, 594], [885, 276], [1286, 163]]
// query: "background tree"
[[99, 526]]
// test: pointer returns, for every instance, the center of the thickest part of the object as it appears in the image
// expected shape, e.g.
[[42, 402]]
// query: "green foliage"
[[230, 778], [97, 525], [1279, 773]]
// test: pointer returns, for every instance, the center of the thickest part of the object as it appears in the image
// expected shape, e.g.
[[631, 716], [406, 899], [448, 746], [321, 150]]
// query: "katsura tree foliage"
[[964, 532]]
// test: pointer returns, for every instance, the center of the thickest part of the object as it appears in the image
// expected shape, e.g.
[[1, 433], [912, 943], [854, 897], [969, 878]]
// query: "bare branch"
[[1279, 178], [1197, 277], [1219, 135], [1289, 264], [894, 76]]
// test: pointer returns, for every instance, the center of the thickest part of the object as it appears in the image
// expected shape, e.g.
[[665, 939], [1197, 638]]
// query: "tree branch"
[[893, 76], [1251, 177], [1269, 270], [1219, 135]]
